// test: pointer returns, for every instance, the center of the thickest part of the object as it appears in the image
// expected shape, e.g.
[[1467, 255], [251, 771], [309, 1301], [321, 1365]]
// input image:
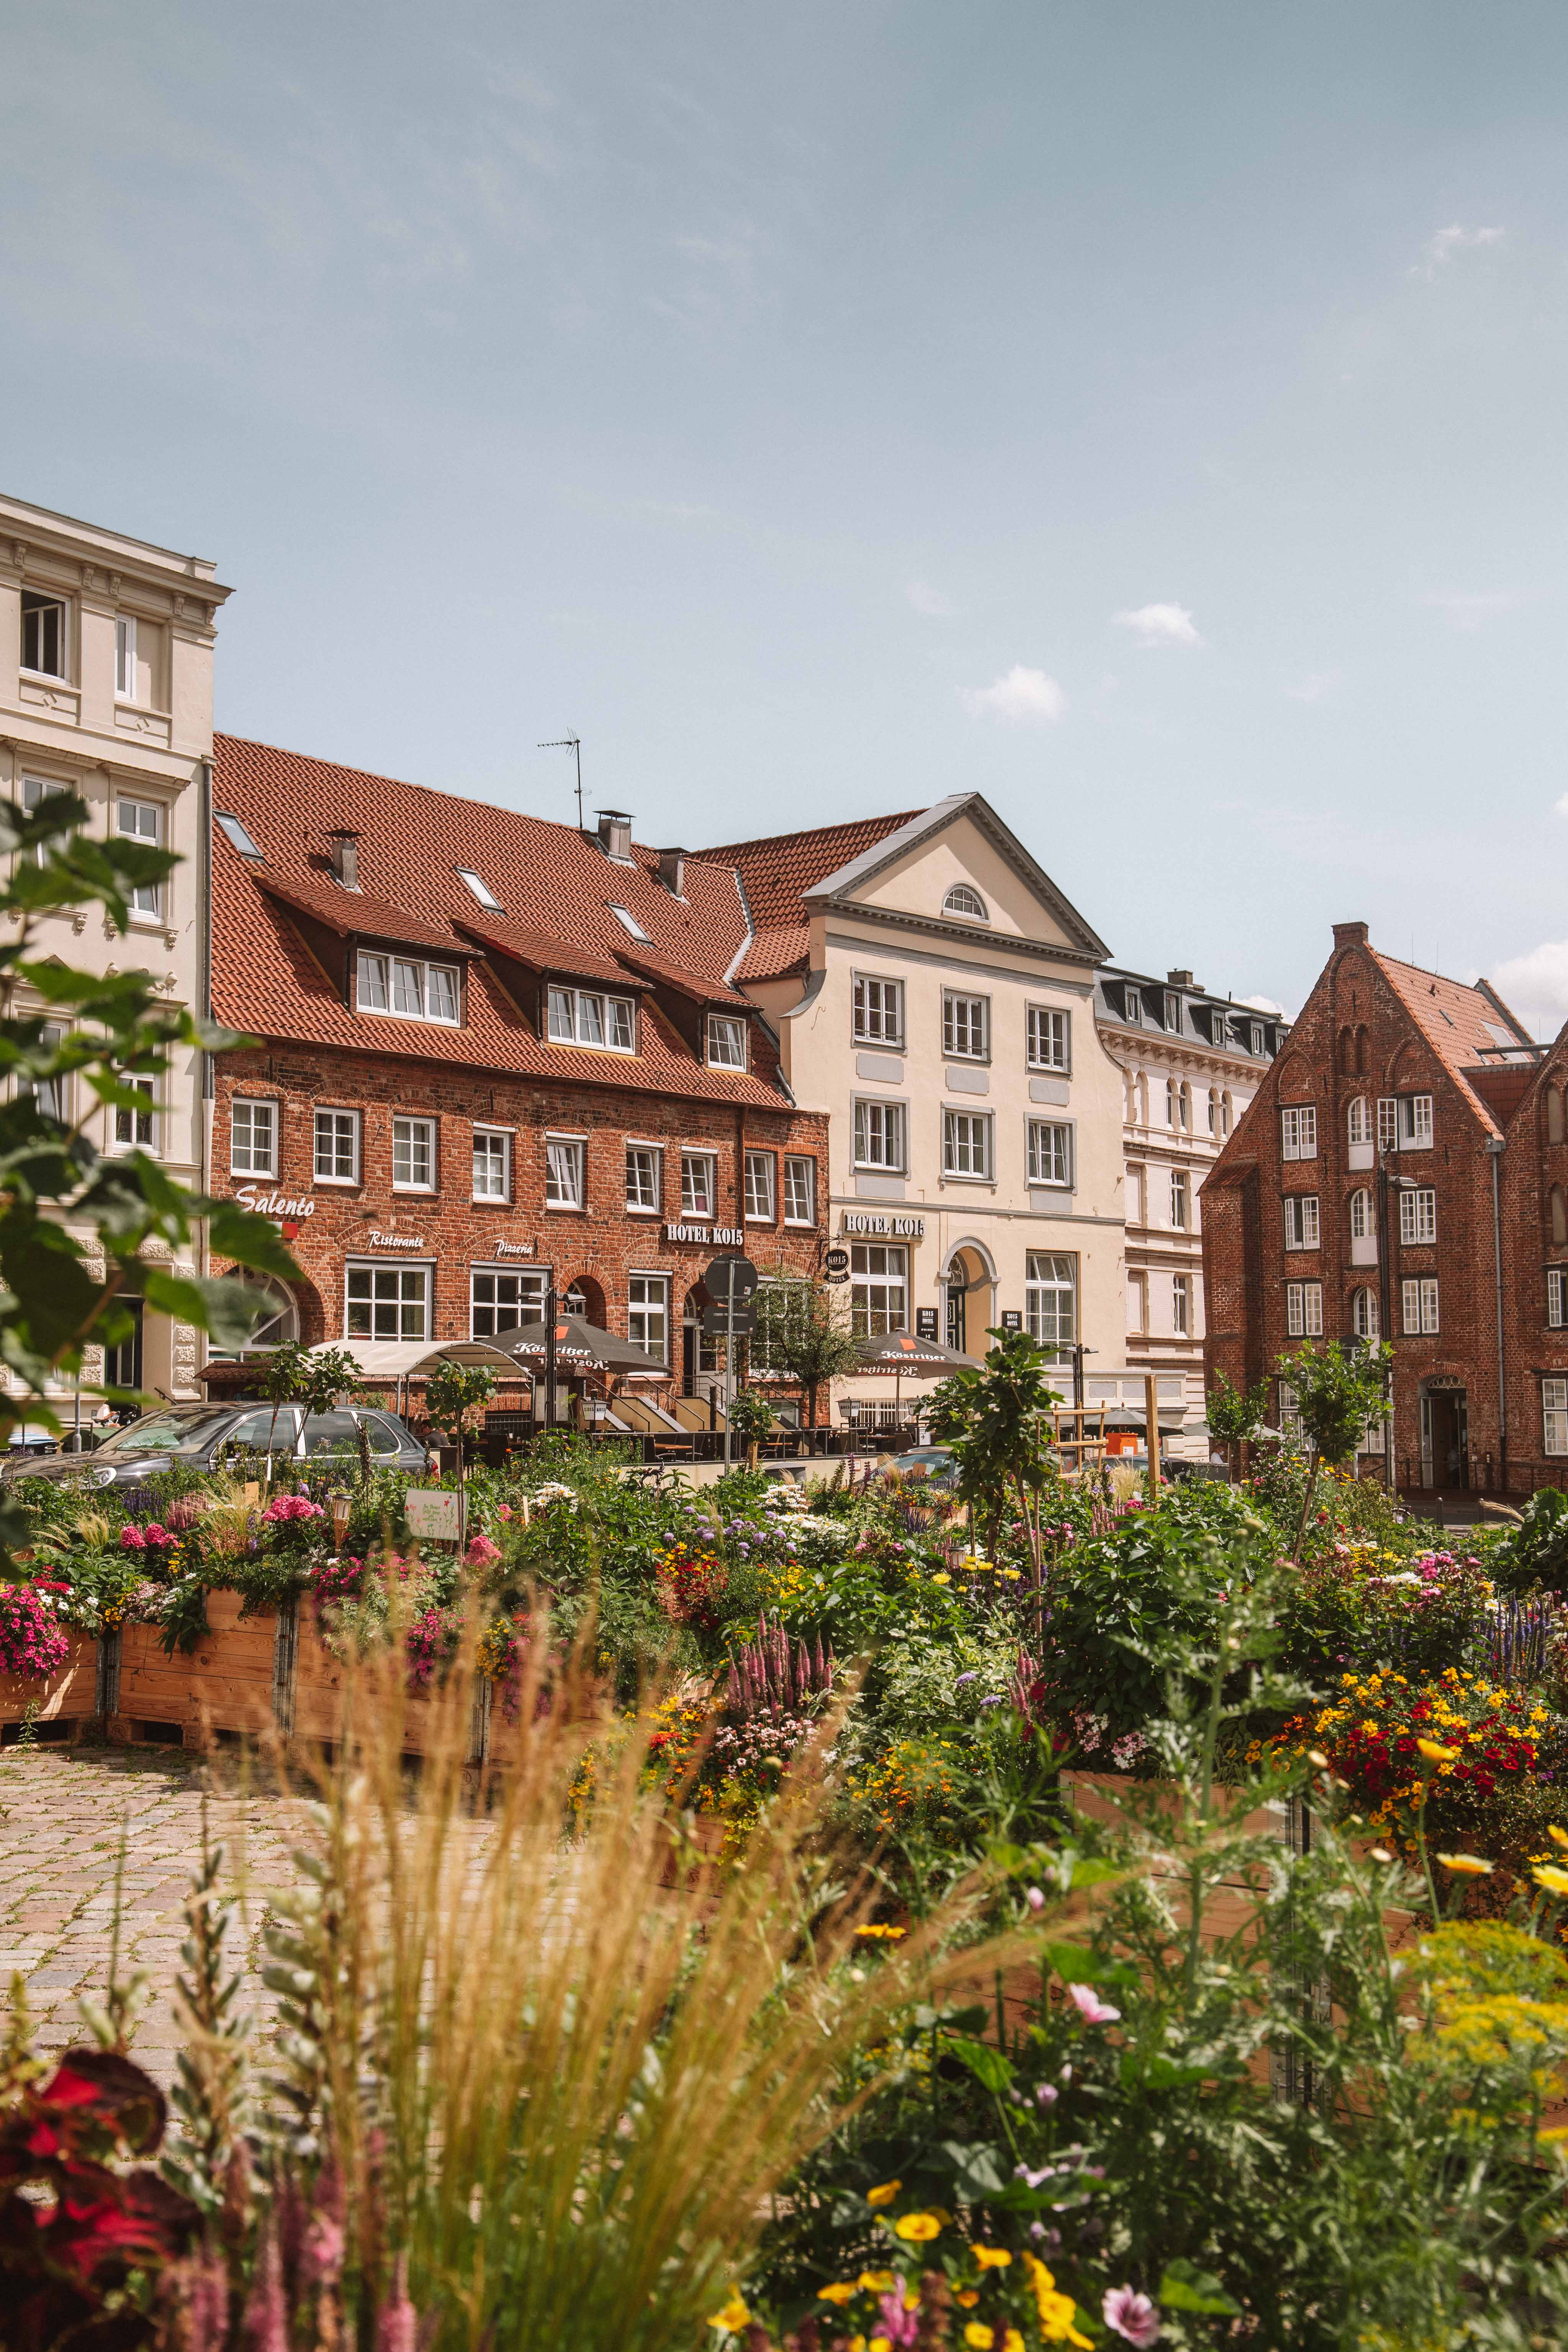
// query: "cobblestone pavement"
[[63, 1815]]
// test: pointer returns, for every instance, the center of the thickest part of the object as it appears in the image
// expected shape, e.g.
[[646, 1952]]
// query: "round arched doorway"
[[969, 1285]]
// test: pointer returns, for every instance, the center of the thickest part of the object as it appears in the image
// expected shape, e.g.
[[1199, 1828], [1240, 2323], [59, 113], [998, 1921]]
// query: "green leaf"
[[1186, 2288], [976, 2169], [225, 1308], [988, 2065], [239, 1234]]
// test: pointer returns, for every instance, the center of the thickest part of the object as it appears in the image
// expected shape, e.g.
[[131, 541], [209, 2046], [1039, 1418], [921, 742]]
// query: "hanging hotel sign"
[[272, 1204], [865, 1220], [398, 1241], [721, 1236]]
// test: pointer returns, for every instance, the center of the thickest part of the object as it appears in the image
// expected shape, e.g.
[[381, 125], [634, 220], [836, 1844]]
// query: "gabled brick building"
[[1401, 1172]]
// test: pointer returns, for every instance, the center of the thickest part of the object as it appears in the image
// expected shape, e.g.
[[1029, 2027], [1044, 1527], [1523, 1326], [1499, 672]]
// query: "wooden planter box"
[[315, 1696], [69, 1695], [226, 1683]]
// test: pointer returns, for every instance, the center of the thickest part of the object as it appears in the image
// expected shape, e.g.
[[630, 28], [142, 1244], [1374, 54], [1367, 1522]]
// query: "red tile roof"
[[1459, 1022], [777, 871], [350, 914], [554, 883]]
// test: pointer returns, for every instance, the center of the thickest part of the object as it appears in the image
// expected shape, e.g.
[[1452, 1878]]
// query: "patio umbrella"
[[900, 1352], [580, 1346]]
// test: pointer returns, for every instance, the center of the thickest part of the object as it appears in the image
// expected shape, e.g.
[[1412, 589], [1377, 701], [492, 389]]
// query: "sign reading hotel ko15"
[[866, 1220], [719, 1236]]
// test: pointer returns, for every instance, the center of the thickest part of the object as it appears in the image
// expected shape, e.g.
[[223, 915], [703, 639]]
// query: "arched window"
[[1361, 1216], [277, 1313], [1363, 1314], [1553, 1114], [1186, 1106], [1130, 1088], [1224, 1110], [967, 902], [1214, 1110], [1170, 1102], [575, 1302], [1559, 1214], [1142, 1100], [1360, 1120]]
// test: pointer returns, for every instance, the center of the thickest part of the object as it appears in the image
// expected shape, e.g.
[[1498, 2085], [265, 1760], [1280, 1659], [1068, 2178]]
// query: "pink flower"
[[132, 1540], [505, 1512], [1048, 2094], [1090, 2008], [899, 2325], [1132, 2315], [1034, 1898], [481, 1552], [292, 1507]]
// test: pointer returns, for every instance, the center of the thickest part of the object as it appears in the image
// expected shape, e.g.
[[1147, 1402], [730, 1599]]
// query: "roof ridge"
[[811, 832]]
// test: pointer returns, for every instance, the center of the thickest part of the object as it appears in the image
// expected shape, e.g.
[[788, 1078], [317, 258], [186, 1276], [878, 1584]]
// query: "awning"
[[900, 1352], [580, 1347], [395, 1360]]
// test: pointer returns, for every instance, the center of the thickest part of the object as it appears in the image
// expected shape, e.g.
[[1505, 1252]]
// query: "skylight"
[[237, 834], [630, 923], [481, 890]]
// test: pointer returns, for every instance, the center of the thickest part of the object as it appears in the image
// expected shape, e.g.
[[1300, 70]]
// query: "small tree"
[[804, 1335], [1235, 1415], [996, 1416], [750, 1418], [1337, 1394], [452, 1393], [314, 1378]]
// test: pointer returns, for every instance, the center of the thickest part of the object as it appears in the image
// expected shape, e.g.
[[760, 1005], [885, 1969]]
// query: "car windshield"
[[167, 1433]]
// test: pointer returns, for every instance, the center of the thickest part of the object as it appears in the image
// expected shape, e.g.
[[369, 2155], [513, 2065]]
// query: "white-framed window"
[[1418, 1301], [1414, 1122], [1131, 1005], [1304, 1309], [726, 1042], [35, 790], [413, 1155], [45, 635], [125, 658], [386, 1302], [1360, 1120], [1226, 1107], [966, 903], [137, 659], [642, 1179], [1298, 1132], [1419, 1215], [408, 989], [1554, 1416], [1364, 1223], [501, 1297], [1049, 1038], [143, 821], [337, 1146], [51, 1095], [582, 1016], [1258, 1036], [800, 1191], [138, 1127], [1181, 1304], [1387, 1124], [1050, 1297], [1289, 1408], [879, 1288], [1170, 1120], [1050, 1152], [1181, 1200], [879, 1010], [648, 1313], [1300, 1221], [493, 1164], [1172, 1010], [252, 1137], [759, 1178], [966, 1026], [479, 888], [239, 834], [879, 1130], [629, 923], [1557, 1297], [698, 1183], [1214, 1110], [966, 1143], [563, 1187], [1363, 1314]]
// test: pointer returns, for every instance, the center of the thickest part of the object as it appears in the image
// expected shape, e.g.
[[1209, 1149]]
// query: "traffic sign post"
[[730, 1282]]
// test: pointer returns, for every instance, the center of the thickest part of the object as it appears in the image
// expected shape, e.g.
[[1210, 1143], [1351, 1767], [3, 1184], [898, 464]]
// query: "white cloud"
[[1535, 986], [1472, 612], [1019, 694], [929, 600], [1159, 625], [1441, 249], [1315, 686], [1263, 1004], [1561, 807]]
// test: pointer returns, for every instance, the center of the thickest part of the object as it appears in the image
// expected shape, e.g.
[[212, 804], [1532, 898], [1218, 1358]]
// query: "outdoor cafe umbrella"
[[580, 1347], [900, 1352]]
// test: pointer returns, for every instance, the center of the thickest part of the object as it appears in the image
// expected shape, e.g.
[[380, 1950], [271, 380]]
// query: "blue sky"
[[1149, 416]]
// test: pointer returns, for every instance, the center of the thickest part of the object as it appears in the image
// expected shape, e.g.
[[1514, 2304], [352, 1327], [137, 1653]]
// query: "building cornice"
[[960, 934]]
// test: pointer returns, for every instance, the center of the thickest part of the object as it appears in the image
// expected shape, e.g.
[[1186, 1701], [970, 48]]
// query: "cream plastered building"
[[106, 691], [933, 992]]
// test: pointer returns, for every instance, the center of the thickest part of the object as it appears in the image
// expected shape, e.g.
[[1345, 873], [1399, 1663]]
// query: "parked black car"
[[201, 1436]]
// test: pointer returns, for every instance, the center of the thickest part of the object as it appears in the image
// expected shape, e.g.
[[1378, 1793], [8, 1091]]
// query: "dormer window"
[[1258, 1036], [726, 1042], [1134, 1005], [43, 634], [629, 923], [1172, 1010], [409, 990], [581, 1016], [236, 833], [481, 889], [966, 903]]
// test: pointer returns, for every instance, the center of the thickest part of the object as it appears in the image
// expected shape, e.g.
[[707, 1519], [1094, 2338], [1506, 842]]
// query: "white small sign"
[[432, 1514]]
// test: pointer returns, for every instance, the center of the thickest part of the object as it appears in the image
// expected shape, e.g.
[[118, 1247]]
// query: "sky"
[[1150, 417]]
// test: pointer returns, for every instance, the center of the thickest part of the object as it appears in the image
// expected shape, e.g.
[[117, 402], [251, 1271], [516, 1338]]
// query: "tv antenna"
[[573, 743]]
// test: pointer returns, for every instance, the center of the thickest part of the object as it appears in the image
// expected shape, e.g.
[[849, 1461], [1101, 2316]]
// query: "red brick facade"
[[1452, 1093]]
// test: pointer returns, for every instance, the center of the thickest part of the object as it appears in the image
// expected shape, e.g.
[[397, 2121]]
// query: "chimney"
[[1351, 935], [345, 856], [615, 832], [672, 870], [1181, 979]]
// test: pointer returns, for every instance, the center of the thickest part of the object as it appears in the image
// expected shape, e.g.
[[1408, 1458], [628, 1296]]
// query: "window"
[[49, 1095], [642, 1179], [580, 1016], [878, 1012], [1049, 1038], [879, 1135], [1418, 1215], [1172, 1010], [43, 634], [252, 1137], [878, 1289], [493, 1164], [698, 1175], [125, 658], [1304, 1309], [480, 888], [1185, 1107], [966, 1026], [236, 833], [388, 1302], [965, 1143], [562, 1172], [1419, 1303], [1051, 1152], [1554, 1416], [1290, 1409], [800, 1191], [759, 1178], [1225, 1114], [1258, 1036], [1131, 1005], [1299, 1133], [1363, 1223], [137, 1126], [726, 1042], [1181, 1304], [628, 922], [1414, 1122], [408, 990], [413, 1155], [965, 902], [648, 1313], [143, 821], [1301, 1221], [499, 1298], [337, 1146], [1181, 1199], [1387, 1124], [1050, 1298], [1170, 1111], [1214, 1110], [35, 790], [1363, 1314], [1360, 1122], [1557, 1297]]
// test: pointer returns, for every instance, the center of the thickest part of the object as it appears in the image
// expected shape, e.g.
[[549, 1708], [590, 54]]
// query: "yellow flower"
[[1558, 1837], [1055, 2310], [877, 2282], [1555, 1880], [1468, 1865], [966, 2297], [917, 2228], [1011, 2341], [890, 1934], [992, 2258], [942, 1577], [885, 2194], [734, 2313], [839, 2292], [1014, 1572], [979, 2336], [1436, 1755]]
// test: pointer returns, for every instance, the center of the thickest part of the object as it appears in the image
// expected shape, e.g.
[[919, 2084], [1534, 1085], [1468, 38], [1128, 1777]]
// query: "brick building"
[[494, 1050], [1396, 1174]]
